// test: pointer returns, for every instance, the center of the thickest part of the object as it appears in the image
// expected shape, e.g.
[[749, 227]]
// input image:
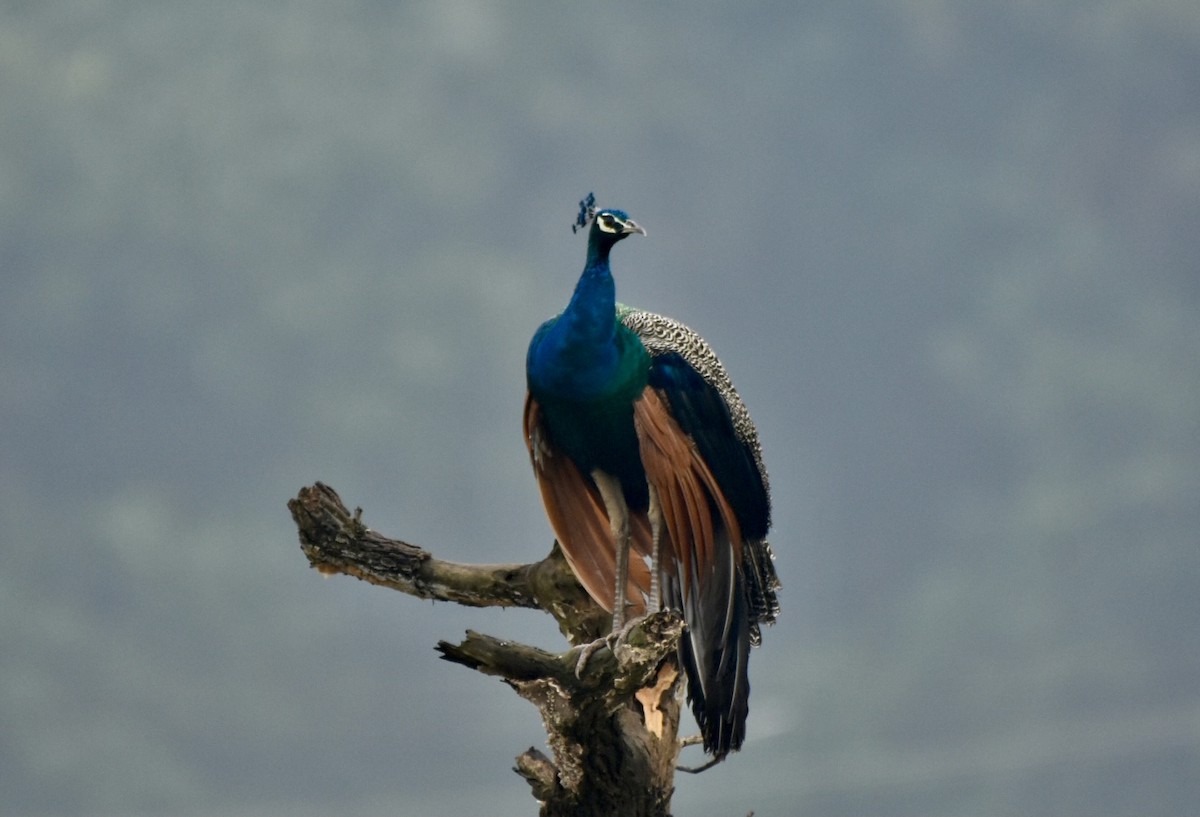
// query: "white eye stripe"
[[608, 222]]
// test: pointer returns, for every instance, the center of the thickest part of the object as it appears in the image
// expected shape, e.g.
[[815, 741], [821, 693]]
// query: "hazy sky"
[[948, 253]]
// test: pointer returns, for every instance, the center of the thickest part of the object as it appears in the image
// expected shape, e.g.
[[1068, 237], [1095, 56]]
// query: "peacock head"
[[607, 226], [613, 225]]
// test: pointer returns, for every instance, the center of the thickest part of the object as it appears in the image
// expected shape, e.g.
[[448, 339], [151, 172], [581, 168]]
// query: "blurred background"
[[949, 253]]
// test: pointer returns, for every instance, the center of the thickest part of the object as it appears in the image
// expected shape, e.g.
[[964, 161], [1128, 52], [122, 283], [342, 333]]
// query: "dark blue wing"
[[703, 414], [706, 406]]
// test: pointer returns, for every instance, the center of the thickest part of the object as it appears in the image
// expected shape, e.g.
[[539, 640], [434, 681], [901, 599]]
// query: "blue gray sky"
[[948, 253]]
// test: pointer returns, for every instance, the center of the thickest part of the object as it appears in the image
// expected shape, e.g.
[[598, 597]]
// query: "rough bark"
[[611, 722]]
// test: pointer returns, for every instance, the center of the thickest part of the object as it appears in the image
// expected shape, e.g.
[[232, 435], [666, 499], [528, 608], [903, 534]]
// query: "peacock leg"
[[655, 515], [618, 520]]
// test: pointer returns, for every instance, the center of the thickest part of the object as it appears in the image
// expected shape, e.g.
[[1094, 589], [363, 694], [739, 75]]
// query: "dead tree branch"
[[611, 724]]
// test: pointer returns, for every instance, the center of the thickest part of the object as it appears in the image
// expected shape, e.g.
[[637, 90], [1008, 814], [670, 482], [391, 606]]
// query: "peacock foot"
[[613, 640]]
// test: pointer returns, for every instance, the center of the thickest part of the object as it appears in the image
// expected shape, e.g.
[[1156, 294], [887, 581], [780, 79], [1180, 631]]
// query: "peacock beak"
[[632, 226]]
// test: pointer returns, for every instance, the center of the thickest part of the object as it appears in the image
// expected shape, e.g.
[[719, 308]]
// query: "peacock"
[[639, 441]]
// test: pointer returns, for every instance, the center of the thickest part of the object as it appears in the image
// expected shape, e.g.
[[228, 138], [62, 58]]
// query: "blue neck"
[[577, 355], [589, 318]]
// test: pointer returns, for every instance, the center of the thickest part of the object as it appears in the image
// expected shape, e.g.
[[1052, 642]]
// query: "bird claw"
[[622, 635], [613, 640], [586, 653]]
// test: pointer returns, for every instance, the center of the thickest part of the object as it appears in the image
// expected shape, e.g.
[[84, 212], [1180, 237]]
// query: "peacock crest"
[[587, 212]]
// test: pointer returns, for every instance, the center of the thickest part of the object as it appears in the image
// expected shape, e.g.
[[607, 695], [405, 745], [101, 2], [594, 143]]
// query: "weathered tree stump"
[[611, 724]]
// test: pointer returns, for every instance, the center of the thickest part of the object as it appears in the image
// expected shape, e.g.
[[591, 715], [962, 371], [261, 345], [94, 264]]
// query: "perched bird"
[[638, 440]]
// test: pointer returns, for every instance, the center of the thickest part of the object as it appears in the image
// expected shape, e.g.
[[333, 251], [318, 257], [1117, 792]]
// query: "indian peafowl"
[[638, 439]]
